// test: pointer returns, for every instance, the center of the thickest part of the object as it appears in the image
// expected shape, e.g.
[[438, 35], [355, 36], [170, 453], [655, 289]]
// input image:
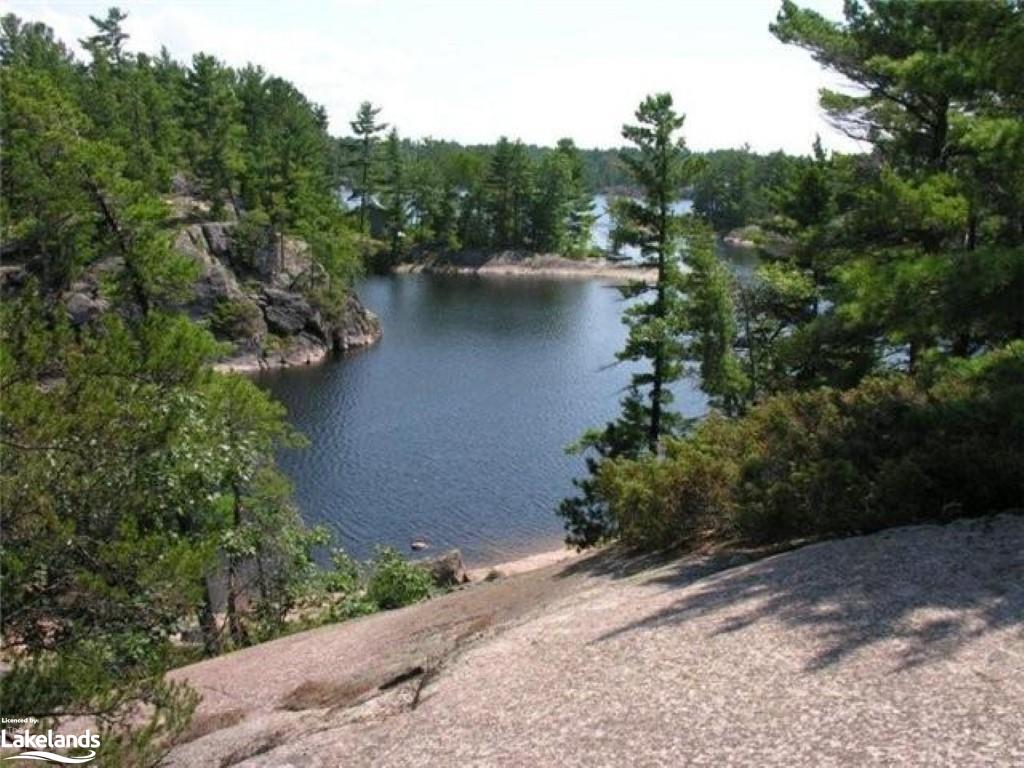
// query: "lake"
[[453, 427]]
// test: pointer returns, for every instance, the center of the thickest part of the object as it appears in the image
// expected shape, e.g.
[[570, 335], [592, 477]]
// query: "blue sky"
[[530, 69]]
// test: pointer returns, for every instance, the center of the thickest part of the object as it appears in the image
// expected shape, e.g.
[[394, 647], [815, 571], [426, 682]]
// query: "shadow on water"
[[933, 590]]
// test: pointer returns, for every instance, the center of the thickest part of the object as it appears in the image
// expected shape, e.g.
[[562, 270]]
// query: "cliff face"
[[270, 303]]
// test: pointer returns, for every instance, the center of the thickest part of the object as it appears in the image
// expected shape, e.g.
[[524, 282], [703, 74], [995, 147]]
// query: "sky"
[[473, 70]]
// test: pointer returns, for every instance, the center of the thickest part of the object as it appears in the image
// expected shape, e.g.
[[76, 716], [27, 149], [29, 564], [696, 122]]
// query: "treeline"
[[124, 126], [440, 195], [872, 373], [736, 187]]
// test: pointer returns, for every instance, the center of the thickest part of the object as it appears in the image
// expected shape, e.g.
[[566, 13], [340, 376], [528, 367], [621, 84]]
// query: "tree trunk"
[[208, 622], [239, 637], [659, 312], [280, 250], [363, 192]]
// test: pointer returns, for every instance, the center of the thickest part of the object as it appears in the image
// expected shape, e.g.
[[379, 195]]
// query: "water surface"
[[453, 427]]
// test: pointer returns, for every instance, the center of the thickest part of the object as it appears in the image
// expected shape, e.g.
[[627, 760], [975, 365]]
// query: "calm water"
[[453, 427]]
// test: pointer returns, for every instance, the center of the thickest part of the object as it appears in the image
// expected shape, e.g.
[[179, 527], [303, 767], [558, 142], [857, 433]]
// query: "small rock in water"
[[418, 544]]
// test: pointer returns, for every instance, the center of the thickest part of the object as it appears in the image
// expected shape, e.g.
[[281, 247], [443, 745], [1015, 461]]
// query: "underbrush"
[[891, 451]]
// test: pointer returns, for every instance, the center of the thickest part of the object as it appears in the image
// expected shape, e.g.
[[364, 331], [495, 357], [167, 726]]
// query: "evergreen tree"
[[709, 320], [509, 192], [108, 42], [660, 167], [550, 214], [213, 132], [367, 131], [129, 471], [931, 244], [396, 193], [580, 214], [562, 212], [499, 192]]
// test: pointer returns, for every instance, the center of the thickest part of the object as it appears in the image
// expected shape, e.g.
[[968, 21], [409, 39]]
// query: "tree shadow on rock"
[[931, 589]]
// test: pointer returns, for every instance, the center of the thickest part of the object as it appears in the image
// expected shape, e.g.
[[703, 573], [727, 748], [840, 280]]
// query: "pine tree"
[[660, 167], [550, 213], [926, 258], [396, 193], [367, 131], [108, 42], [580, 213], [214, 132], [709, 320]]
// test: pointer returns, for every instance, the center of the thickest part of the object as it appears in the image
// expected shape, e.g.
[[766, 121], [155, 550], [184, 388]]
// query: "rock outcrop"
[[522, 264], [754, 237], [898, 648], [270, 303]]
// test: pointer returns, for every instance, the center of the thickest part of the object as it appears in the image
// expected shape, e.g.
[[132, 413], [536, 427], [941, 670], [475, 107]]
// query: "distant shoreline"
[[517, 264]]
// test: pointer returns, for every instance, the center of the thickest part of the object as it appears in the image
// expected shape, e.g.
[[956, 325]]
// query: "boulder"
[[216, 282], [285, 264], [84, 299], [446, 570], [83, 308], [183, 186], [12, 276]]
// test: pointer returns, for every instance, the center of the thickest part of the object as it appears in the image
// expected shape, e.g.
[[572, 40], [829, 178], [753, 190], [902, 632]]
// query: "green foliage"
[[932, 94], [891, 451], [734, 186], [688, 495], [213, 133], [507, 196], [396, 195], [660, 167], [131, 476], [104, 541], [366, 130], [710, 316], [872, 364], [394, 582]]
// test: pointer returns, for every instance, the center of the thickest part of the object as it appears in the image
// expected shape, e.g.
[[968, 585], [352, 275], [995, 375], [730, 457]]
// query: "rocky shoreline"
[[359, 328], [272, 304], [524, 264]]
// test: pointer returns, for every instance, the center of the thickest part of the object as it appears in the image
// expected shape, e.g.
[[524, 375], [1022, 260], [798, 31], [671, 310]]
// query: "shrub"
[[234, 319], [890, 451], [394, 582], [688, 494]]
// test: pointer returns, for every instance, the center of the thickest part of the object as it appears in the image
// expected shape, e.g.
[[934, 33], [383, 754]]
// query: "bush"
[[687, 495], [235, 319], [890, 451], [394, 582]]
